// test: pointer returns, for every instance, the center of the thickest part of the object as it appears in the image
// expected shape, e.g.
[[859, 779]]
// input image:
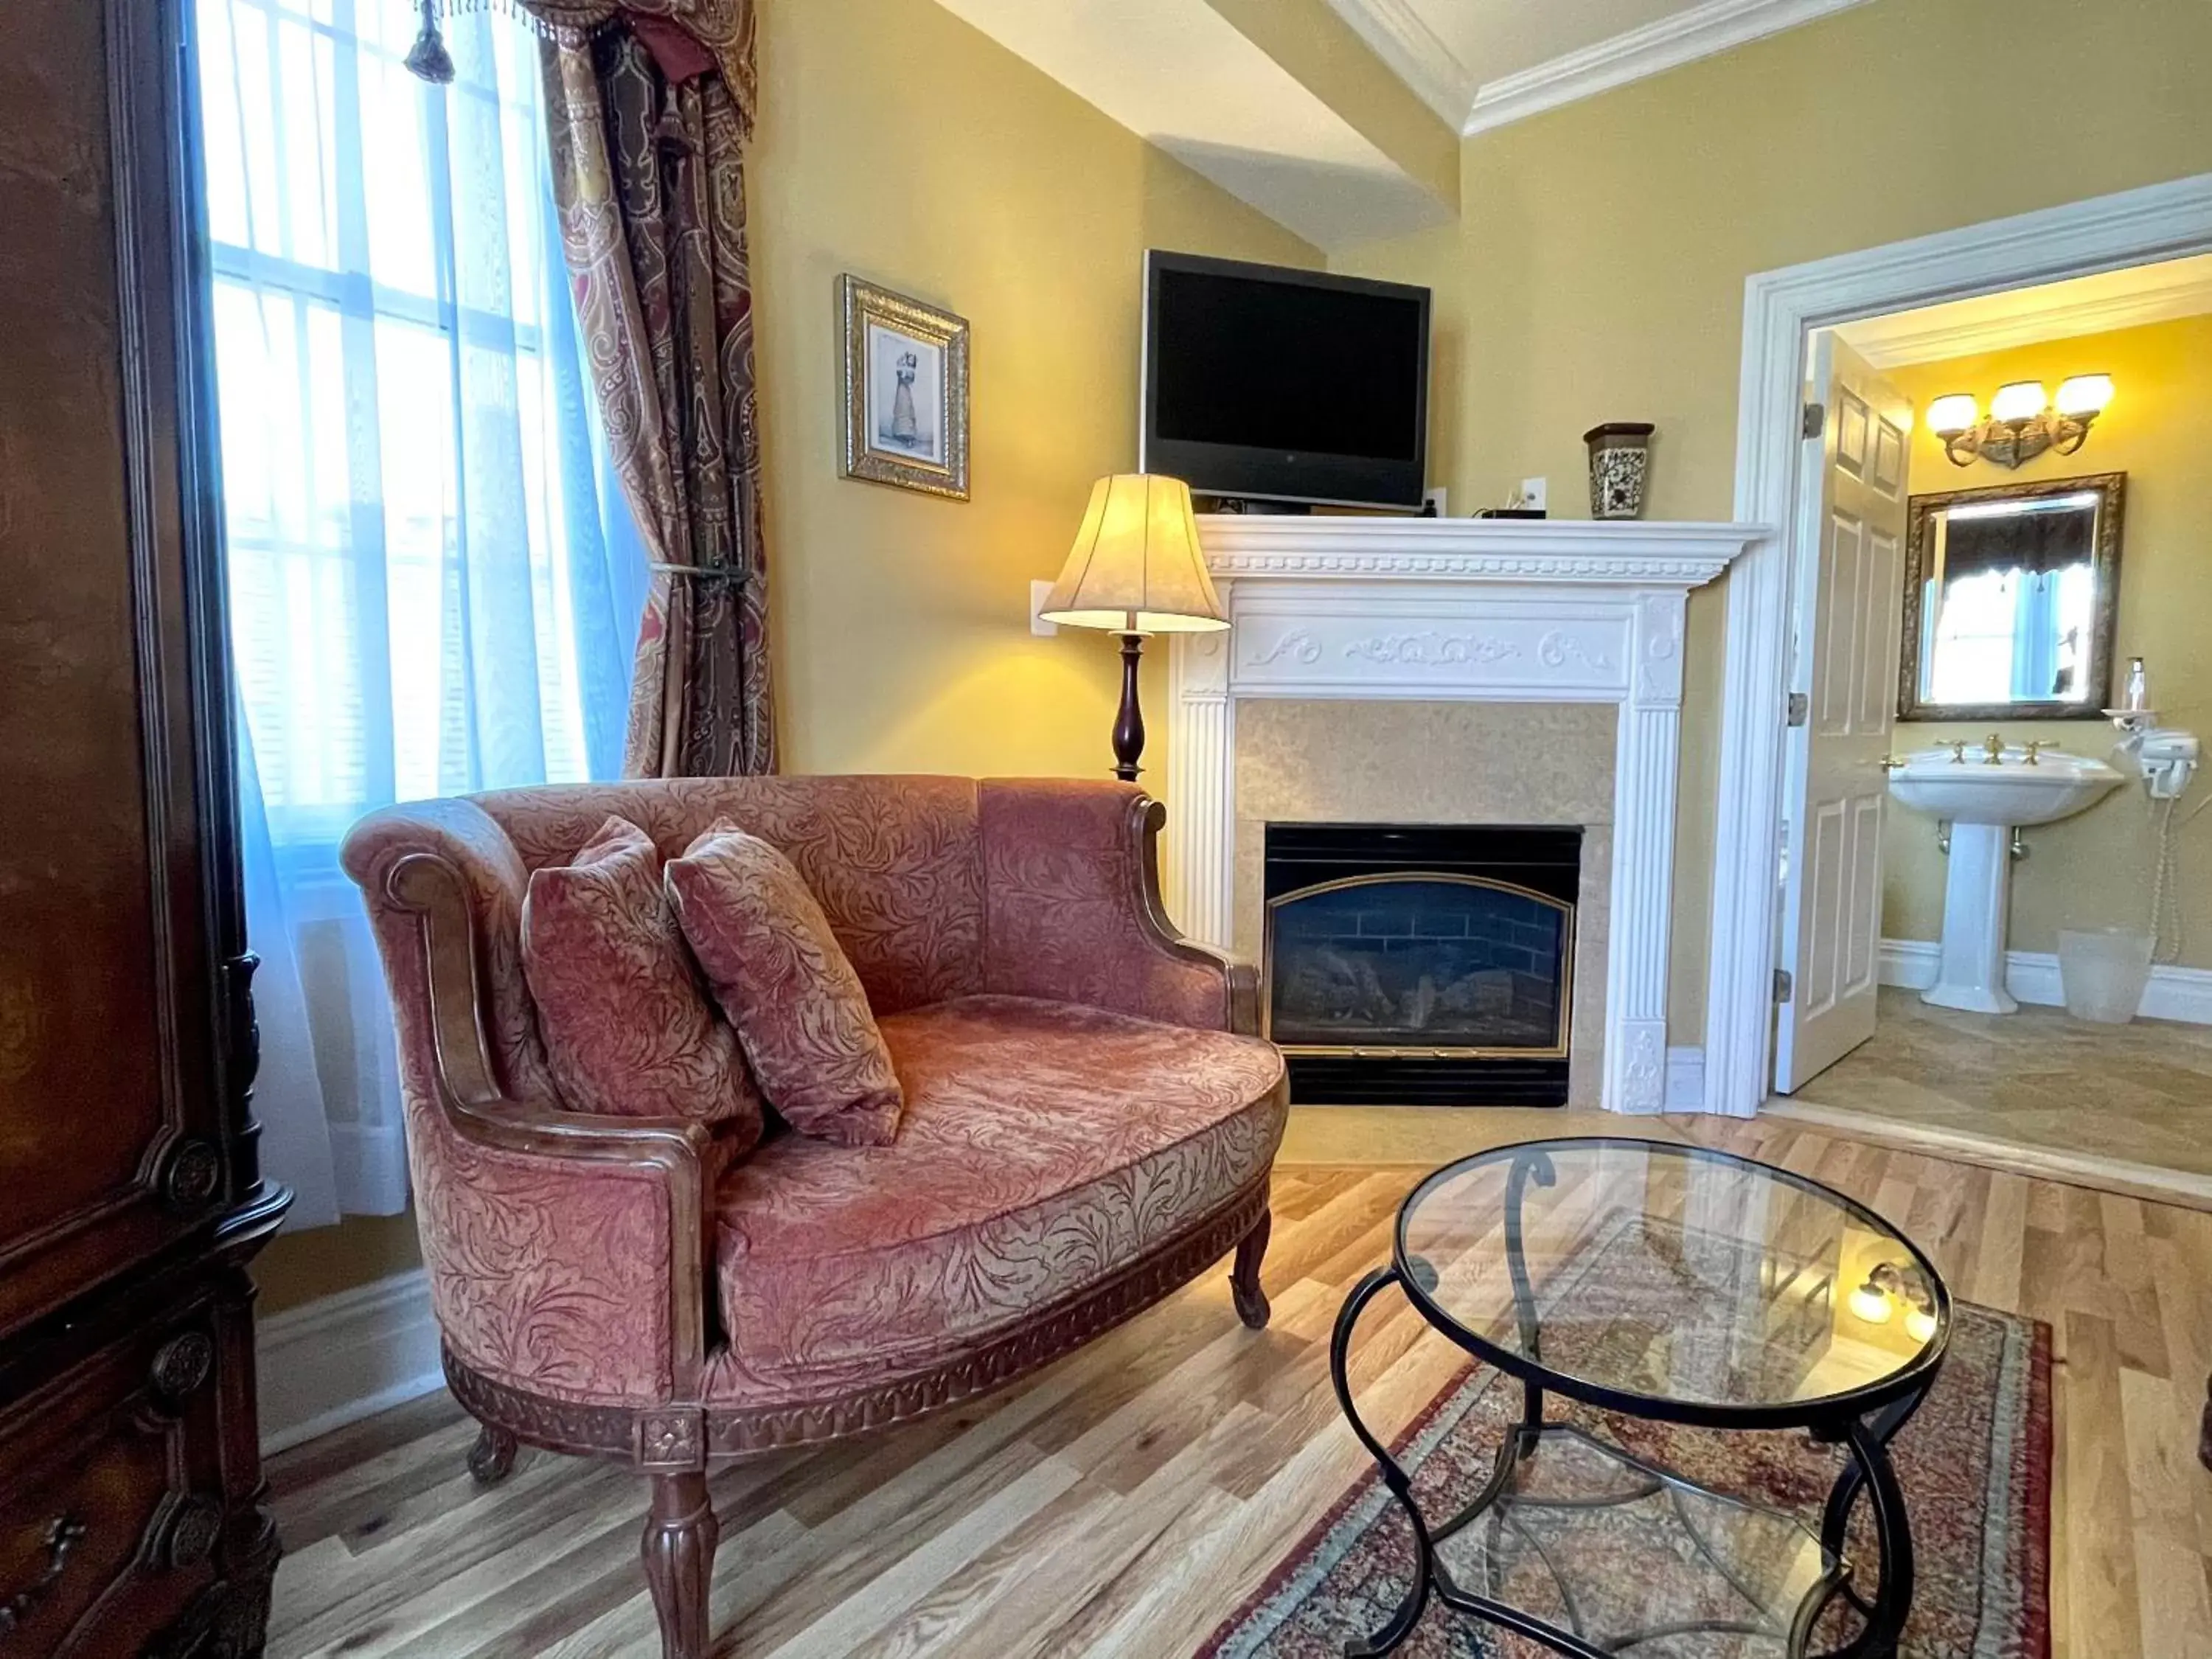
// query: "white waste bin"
[[2104, 971]]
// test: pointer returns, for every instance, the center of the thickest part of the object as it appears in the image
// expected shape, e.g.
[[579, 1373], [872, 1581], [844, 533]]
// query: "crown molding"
[[1890, 342], [1394, 31], [1716, 26]]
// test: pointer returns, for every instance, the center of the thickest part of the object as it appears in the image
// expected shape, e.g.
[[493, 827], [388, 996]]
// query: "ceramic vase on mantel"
[[1619, 462]]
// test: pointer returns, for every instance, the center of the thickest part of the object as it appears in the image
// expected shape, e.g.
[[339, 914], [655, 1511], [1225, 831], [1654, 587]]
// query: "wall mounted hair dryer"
[[2168, 759]]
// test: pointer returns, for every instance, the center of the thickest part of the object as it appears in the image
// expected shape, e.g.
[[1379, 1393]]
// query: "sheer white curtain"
[[435, 585]]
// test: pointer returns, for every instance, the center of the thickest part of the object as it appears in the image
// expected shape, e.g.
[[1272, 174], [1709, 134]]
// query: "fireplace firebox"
[[1421, 965]]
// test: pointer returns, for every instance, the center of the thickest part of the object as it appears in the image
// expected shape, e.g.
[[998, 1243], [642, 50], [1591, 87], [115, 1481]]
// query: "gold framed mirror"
[[2011, 595]]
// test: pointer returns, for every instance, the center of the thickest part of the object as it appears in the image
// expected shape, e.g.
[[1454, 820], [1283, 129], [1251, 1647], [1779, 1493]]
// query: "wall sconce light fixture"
[[2024, 420], [1887, 1287]]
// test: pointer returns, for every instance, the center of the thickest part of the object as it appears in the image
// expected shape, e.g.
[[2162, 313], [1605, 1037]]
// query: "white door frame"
[[2159, 221]]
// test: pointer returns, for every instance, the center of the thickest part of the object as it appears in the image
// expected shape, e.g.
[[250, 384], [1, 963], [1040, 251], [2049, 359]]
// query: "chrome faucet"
[[1993, 750]]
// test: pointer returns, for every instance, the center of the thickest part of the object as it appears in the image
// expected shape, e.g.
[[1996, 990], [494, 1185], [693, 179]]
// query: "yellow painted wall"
[[898, 143], [1597, 269], [301, 1267], [2094, 871]]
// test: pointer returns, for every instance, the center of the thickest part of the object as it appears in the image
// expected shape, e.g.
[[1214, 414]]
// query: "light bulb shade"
[[1136, 566], [1919, 1324], [1871, 1303], [2019, 400], [2084, 394], [1949, 416]]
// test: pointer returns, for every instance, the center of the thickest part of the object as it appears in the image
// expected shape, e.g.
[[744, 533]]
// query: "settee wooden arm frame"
[[682, 1151], [1147, 817]]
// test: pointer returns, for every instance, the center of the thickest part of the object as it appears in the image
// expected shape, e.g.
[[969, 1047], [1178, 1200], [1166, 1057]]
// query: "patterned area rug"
[[1975, 1463]]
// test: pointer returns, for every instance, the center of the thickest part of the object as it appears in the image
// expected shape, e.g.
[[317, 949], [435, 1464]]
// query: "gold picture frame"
[[903, 393]]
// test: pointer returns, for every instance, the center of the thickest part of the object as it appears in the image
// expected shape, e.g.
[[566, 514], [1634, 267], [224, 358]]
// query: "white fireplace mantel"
[[1501, 610]]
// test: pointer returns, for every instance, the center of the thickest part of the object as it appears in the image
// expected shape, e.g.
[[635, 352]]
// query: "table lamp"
[[1135, 569]]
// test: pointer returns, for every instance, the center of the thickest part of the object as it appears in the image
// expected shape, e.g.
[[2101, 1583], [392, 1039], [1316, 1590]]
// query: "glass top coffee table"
[[1683, 1286]]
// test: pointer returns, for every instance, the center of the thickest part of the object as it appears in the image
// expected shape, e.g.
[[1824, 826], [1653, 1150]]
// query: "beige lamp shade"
[[1135, 567], [2084, 394], [1953, 413], [2019, 400]]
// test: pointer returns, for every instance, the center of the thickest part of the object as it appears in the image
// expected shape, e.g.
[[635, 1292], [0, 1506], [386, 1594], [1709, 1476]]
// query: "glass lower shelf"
[[1634, 1561]]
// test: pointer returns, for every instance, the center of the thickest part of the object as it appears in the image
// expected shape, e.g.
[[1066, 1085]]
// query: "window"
[[433, 586]]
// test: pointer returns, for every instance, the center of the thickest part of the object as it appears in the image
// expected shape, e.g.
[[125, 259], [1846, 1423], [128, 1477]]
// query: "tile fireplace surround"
[[1458, 610]]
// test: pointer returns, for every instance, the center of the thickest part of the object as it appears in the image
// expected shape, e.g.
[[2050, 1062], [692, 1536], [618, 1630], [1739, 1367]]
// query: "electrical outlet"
[[1435, 499], [1039, 592], [1532, 495]]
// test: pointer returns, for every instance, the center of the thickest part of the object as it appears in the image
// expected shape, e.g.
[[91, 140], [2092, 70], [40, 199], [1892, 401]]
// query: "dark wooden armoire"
[[131, 1519]]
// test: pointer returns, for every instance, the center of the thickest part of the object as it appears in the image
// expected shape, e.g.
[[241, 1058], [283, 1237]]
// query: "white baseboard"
[[337, 1360], [2176, 993], [1686, 1079]]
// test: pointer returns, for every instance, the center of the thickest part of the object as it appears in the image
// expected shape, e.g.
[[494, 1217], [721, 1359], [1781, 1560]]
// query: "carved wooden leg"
[[492, 1458], [2204, 1431], [1244, 1278], [237, 1608], [678, 1546]]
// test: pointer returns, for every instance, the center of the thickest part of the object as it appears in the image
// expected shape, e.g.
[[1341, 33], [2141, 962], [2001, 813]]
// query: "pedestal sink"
[[1986, 799]]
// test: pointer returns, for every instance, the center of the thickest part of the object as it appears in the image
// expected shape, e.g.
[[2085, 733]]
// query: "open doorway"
[[2006, 514]]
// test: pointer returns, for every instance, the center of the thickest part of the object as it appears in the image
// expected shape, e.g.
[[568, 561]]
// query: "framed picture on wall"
[[904, 390]]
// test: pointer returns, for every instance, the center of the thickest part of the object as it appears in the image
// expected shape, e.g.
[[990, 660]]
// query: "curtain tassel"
[[668, 133], [429, 57]]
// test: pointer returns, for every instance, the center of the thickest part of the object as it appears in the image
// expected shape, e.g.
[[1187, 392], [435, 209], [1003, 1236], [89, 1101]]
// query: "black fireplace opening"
[[1422, 964]]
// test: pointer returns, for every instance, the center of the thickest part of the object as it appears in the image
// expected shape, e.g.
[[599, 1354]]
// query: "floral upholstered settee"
[[1090, 1121]]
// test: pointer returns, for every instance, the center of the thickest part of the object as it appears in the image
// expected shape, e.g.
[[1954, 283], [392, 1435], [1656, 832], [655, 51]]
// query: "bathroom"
[[2054, 563]]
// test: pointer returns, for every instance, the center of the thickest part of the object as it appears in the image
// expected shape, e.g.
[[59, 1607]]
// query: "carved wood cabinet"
[[131, 1513]]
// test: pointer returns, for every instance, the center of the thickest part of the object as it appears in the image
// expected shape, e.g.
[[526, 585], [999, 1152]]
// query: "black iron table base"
[[1515, 1519], [1868, 1471]]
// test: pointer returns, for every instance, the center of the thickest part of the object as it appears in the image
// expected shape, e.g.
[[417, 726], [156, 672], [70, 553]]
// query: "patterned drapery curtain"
[[648, 104]]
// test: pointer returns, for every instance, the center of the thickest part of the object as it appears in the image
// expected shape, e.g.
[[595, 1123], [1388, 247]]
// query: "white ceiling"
[[1176, 73], [1479, 63], [2055, 311], [1179, 74]]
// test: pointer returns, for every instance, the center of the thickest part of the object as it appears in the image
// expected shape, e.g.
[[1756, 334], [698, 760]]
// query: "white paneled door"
[[1843, 677]]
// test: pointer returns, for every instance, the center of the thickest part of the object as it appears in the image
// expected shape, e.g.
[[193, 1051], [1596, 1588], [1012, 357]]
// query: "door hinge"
[[1814, 420], [1798, 708], [1784, 987]]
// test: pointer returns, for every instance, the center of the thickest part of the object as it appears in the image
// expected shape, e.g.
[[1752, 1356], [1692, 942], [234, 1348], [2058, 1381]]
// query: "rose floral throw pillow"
[[628, 1027], [796, 1005]]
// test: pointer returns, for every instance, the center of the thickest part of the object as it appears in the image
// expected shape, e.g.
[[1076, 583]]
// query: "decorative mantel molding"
[[1582, 552], [1499, 610]]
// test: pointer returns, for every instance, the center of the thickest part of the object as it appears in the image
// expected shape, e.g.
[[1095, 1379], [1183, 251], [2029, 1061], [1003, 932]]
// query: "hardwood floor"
[[1124, 1500]]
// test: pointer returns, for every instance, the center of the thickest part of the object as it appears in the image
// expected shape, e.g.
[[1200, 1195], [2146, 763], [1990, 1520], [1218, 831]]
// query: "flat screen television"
[[1262, 382]]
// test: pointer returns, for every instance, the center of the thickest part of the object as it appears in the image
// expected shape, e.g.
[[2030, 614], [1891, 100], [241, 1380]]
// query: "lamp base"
[[1129, 723]]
